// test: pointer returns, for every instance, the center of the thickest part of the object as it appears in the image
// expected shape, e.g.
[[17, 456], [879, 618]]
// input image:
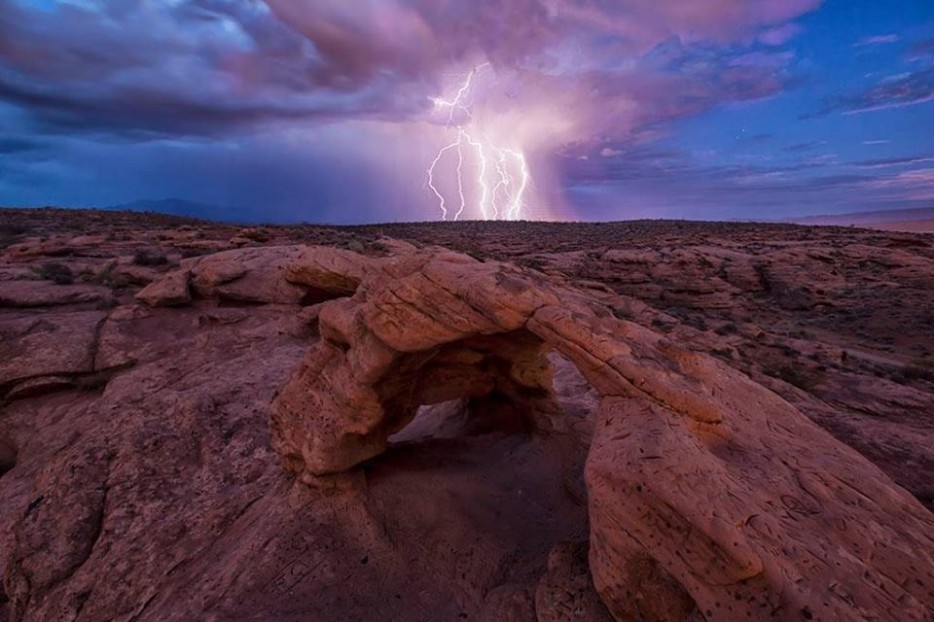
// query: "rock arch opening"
[[473, 386], [483, 470]]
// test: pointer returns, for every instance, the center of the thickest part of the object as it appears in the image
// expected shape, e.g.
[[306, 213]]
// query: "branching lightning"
[[502, 174]]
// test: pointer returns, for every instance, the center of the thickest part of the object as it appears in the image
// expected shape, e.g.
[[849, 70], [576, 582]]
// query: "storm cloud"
[[90, 87]]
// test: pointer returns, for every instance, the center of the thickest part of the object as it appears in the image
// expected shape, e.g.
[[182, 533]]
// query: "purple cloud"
[[915, 184], [564, 76], [210, 66]]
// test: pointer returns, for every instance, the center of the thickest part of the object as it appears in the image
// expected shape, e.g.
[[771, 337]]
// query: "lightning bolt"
[[501, 173]]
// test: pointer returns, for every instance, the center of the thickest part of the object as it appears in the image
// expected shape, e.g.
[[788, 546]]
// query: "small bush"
[[58, 273], [143, 257], [535, 263], [355, 246], [257, 235], [921, 369], [10, 233], [13, 229], [105, 276], [795, 377]]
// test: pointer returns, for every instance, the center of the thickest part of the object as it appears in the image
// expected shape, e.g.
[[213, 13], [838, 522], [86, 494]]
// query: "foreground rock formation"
[[706, 492], [462, 438]]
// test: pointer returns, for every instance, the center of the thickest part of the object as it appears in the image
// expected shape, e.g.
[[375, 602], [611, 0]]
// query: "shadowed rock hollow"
[[471, 440]]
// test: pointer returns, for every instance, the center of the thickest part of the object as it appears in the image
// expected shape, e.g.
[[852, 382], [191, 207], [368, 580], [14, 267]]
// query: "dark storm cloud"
[[289, 104], [200, 67], [209, 67]]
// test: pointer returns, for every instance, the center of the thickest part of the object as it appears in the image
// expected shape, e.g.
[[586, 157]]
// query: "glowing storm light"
[[501, 173]]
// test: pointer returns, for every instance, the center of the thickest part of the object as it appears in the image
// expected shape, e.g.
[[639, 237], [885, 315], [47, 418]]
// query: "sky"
[[346, 111]]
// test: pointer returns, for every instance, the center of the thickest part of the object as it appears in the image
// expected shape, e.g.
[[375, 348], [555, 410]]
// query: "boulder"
[[247, 275], [169, 291], [53, 344]]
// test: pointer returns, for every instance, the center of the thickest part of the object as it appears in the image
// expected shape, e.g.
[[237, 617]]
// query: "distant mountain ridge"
[[255, 215], [868, 218], [193, 209]]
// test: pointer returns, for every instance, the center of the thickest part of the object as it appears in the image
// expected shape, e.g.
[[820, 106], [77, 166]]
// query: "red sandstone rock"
[[707, 492], [138, 479], [25, 294], [53, 344], [169, 291]]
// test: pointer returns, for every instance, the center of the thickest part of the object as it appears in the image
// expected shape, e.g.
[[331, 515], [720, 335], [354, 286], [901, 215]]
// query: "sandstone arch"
[[707, 492]]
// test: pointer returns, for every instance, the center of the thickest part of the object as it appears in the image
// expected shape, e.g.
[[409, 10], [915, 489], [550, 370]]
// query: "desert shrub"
[[795, 377], [257, 235], [58, 273], [13, 229], [535, 263], [920, 369], [355, 246], [104, 277], [698, 322], [723, 352], [143, 257], [10, 233]]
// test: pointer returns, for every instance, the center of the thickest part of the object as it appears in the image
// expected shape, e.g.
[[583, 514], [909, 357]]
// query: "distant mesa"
[[918, 219]]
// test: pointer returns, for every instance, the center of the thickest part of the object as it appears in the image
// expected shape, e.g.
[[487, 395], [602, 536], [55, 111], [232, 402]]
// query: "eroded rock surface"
[[707, 492], [573, 451]]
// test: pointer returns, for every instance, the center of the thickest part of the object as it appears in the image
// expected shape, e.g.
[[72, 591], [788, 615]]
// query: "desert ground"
[[652, 420]]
